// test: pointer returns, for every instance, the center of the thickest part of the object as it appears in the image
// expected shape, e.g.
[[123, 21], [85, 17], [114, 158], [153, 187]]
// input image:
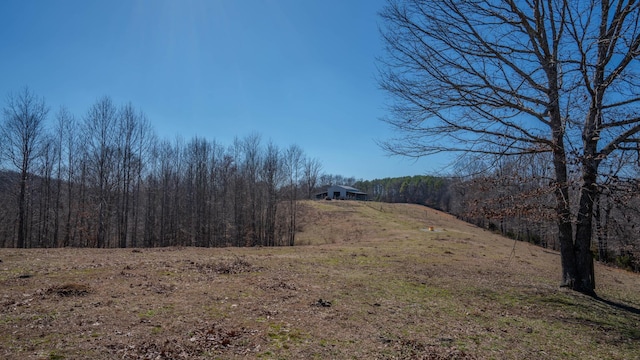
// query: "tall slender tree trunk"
[[67, 235], [124, 210], [56, 221], [22, 199]]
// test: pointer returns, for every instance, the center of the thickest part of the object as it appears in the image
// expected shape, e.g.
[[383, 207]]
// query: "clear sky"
[[293, 71]]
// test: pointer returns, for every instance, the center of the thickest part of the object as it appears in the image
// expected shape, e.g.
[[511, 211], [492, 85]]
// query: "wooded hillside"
[[516, 200]]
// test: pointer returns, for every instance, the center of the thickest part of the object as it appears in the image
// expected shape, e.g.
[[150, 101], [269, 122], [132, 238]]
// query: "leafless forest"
[[103, 179]]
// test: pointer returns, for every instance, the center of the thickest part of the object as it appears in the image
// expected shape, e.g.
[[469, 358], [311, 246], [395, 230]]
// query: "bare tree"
[[271, 174], [23, 132], [292, 163], [198, 183], [250, 167], [43, 194], [162, 213], [311, 173], [66, 135], [101, 149], [506, 77], [133, 140]]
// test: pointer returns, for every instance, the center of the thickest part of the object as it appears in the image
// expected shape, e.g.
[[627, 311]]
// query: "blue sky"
[[293, 71]]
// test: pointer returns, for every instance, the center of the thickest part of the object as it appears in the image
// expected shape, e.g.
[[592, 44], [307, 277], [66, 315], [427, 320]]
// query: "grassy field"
[[367, 281]]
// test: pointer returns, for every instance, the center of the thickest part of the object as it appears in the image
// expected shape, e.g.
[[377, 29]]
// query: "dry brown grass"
[[368, 281]]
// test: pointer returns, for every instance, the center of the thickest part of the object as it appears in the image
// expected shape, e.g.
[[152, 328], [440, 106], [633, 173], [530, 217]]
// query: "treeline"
[[103, 179], [516, 199], [431, 191]]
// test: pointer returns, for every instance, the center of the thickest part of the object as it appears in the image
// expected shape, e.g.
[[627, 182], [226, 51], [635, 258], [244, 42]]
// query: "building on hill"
[[342, 192]]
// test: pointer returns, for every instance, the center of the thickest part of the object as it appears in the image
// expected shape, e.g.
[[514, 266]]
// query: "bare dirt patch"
[[392, 292], [69, 290]]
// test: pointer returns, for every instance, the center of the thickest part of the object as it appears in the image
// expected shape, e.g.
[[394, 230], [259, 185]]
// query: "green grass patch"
[[282, 336]]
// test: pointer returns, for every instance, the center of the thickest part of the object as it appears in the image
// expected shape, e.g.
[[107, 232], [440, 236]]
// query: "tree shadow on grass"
[[618, 305], [624, 321], [615, 322]]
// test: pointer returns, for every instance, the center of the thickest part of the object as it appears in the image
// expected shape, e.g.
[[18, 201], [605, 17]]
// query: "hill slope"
[[369, 280]]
